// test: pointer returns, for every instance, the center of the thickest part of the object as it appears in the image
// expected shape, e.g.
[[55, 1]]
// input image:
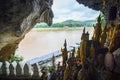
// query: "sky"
[[72, 10]]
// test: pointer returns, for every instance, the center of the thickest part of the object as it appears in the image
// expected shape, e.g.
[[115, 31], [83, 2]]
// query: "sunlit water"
[[39, 43]]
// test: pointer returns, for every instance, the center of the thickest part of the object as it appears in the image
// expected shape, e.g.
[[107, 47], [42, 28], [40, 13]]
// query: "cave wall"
[[103, 6], [18, 17]]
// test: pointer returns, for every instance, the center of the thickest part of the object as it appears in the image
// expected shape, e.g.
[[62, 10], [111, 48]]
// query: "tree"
[[16, 58]]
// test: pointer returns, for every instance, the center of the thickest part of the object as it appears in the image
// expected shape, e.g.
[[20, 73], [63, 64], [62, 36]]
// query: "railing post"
[[27, 70], [1, 63], [5, 68], [12, 70], [19, 70], [36, 70]]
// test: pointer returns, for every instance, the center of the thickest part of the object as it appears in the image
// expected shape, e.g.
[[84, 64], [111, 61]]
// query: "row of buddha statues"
[[94, 59]]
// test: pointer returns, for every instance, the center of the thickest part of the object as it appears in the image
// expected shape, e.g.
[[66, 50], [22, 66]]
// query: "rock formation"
[[106, 6], [17, 17]]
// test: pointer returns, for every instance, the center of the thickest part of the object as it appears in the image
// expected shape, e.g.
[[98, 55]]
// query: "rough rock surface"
[[94, 4], [116, 54], [99, 5], [17, 17]]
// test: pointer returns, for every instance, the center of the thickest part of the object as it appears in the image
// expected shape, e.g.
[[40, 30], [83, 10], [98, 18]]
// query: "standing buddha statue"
[[103, 36], [97, 30], [64, 54], [115, 39], [83, 52], [83, 34]]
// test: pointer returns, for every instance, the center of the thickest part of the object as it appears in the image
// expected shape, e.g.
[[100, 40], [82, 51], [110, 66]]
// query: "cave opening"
[[43, 39]]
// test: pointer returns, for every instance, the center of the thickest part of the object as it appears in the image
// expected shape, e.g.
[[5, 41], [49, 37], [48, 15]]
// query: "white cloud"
[[70, 9]]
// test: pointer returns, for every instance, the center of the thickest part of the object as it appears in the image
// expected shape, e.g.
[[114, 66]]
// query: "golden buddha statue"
[[83, 34], [64, 54], [78, 52], [97, 30], [103, 39], [103, 36], [83, 51], [115, 39]]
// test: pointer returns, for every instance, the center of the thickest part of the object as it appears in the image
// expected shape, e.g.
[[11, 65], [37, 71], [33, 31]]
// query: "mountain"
[[69, 23]]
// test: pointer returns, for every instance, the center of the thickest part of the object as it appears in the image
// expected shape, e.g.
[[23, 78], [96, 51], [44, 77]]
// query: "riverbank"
[[61, 29]]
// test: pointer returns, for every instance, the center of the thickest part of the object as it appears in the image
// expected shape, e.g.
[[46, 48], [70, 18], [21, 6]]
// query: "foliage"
[[50, 69], [102, 19], [16, 58], [69, 23]]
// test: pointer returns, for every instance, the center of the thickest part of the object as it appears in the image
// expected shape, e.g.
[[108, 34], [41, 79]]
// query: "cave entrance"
[[43, 40]]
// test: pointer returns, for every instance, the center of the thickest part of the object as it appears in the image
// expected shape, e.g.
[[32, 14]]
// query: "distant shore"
[[60, 29]]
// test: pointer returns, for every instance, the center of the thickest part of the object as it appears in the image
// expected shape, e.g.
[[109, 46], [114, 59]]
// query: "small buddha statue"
[[103, 39], [83, 34], [103, 36], [44, 74], [87, 35], [97, 30], [104, 4], [115, 40], [83, 51], [78, 52]]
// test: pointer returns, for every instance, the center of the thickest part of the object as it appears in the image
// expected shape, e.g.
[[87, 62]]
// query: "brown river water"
[[39, 43]]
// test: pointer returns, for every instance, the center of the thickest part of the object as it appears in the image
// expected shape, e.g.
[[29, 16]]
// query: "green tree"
[[102, 20], [16, 58]]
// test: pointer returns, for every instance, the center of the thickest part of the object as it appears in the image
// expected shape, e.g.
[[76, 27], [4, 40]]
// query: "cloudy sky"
[[70, 9]]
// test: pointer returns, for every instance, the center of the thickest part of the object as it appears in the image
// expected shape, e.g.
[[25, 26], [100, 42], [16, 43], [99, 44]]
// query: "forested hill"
[[68, 23]]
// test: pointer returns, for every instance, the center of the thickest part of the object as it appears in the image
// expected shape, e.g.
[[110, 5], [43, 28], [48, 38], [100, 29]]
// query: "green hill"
[[69, 23]]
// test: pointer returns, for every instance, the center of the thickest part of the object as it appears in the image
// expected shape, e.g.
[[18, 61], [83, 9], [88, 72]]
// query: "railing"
[[19, 71], [29, 70], [48, 57]]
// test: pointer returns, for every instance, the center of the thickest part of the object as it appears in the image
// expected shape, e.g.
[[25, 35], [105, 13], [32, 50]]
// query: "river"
[[39, 43]]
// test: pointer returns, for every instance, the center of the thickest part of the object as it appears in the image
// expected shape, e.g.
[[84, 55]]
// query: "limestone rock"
[[109, 61], [18, 17], [117, 60]]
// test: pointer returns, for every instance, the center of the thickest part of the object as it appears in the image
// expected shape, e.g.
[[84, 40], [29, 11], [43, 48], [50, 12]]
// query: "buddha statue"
[[83, 34], [115, 39], [83, 51], [97, 30], [64, 54], [87, 36], [103, 36], [78, 52], [44, 74]]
